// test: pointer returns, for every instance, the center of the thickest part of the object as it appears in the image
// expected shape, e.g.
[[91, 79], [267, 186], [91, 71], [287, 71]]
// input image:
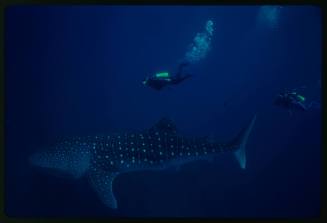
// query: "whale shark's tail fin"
[[241, 141]]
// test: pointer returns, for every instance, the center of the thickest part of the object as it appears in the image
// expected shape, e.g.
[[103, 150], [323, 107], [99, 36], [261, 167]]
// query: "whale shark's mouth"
[[64, 162], [38, 160]]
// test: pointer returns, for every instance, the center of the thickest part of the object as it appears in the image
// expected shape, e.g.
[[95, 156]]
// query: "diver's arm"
[[180, 69], [186, 76]]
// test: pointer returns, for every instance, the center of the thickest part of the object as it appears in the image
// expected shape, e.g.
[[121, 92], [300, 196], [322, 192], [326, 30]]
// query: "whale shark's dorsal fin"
[[164, 125]]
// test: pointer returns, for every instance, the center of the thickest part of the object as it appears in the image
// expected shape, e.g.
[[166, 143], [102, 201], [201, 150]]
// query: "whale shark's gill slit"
[[102, 182]]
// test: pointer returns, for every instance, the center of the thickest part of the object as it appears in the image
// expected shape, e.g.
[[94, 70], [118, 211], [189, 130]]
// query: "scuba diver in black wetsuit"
[[292, 100], [160, 80]]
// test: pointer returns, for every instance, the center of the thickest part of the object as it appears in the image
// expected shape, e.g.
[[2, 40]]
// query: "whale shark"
[[101, 158]]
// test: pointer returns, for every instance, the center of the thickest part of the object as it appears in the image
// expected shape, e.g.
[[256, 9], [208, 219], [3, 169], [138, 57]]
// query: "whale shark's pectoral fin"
[[102, 183], [164, 125]]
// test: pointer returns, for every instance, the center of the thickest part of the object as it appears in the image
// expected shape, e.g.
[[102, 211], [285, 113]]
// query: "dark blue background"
[[78, 70]]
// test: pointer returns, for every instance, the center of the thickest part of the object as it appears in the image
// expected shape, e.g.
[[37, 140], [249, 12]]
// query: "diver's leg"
[[303, 107], [186, 76], [180, 79], [313, 104]]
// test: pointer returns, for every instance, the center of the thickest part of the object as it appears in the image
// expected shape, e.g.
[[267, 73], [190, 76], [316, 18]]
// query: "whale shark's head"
[[69, 162]]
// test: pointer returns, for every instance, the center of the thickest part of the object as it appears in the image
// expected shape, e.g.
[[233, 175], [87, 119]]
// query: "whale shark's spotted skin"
[[102, 158]]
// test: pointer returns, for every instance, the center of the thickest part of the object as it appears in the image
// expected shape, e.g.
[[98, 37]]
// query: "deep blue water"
[[78, 70]]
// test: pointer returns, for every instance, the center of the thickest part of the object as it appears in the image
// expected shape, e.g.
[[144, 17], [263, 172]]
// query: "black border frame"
[[5, 3]]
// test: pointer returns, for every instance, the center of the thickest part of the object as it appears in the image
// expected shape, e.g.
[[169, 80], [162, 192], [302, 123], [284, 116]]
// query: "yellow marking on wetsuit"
[[301, 97], [163, 74]]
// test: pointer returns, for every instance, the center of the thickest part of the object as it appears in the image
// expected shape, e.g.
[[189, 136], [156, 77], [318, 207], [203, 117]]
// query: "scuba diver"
[[160, 80], [292, 100]]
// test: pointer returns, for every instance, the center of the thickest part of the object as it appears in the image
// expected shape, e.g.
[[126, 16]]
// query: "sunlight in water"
[[269, 16]]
